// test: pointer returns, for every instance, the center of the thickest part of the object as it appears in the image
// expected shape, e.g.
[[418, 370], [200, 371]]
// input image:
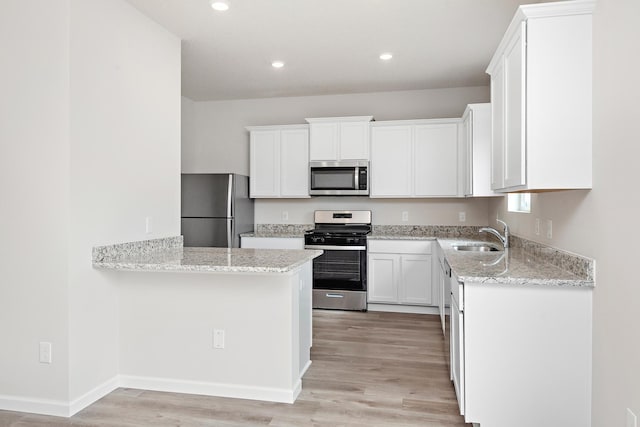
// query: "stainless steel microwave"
[[343, 178]]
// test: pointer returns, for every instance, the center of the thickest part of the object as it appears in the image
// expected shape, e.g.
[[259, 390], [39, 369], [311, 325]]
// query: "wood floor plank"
[[369, 369]]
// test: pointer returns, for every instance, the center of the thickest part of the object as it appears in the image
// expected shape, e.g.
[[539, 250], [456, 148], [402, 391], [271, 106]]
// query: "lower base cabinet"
[[521, 354], [399, 272]]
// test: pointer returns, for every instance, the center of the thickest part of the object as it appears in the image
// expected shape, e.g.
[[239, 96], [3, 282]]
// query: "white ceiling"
[[331, 46]]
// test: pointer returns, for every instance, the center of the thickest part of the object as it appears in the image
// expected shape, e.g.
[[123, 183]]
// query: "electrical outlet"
[[462, 216], [45, 352], [148, 226], [218, 338], [405, 216], [632, 420], [537, 227], [285, 215], [549, 229]]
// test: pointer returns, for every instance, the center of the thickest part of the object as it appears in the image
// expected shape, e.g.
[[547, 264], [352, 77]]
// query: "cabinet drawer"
[[401, 246]]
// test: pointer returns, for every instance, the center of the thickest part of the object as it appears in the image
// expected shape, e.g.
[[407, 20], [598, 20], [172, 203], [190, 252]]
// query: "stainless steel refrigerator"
[[216, 209]]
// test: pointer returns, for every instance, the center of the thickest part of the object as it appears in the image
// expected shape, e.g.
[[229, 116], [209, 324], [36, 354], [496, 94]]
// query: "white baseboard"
[[304, 370], [57, 408], [60, 408], [397, 308], [212, 389], [94, 395]]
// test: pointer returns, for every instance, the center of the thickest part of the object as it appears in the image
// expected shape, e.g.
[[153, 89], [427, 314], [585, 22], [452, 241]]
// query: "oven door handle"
[[336, 248]]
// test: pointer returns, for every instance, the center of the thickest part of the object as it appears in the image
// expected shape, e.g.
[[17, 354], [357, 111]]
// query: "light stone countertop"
[[514, 266], [275, 234], [378, 236], [218, 260]]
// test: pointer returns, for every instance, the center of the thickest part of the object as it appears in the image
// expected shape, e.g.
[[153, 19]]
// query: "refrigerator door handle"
[[229, 233], [230, 197]]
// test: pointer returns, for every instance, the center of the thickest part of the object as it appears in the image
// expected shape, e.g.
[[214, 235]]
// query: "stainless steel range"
[[340, 273]]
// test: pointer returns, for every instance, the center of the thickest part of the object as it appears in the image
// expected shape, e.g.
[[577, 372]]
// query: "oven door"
[[340, 277], [340, 268]]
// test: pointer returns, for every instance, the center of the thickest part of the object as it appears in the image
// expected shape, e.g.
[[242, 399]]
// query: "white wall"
[[220, 143], [125, 164], [214, 139], [384, 211], [34, 184], [90, 131], [599, 223]]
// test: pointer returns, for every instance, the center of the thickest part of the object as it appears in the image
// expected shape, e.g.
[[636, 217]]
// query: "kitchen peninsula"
[[212, 321]]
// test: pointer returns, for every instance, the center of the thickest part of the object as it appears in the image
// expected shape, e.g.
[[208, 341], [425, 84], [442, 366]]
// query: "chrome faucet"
[[503, 239]]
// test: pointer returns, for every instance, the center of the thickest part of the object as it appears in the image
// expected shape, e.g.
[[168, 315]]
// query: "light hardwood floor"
[[369, 369]]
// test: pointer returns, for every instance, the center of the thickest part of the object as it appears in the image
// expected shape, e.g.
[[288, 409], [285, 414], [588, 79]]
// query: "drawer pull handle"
[[334, 296]]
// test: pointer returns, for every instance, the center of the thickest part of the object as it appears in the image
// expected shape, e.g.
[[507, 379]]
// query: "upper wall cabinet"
[[339, 138], [541, 99], [415, 158], [475, 155], [279, 161]]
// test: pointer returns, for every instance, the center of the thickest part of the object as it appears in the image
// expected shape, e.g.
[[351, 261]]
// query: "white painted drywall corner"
[[34, 219], [125, 164]]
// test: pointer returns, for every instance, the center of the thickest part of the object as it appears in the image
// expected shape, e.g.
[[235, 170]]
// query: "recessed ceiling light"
[[277, 64], [220, 5], [386, 56]]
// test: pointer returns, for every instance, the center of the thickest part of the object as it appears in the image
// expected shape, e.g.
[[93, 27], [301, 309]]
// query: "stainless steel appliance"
[[340, 273], [216, 209], [344, 178]]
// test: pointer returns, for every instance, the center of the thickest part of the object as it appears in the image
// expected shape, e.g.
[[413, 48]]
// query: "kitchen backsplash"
[[576, 264]]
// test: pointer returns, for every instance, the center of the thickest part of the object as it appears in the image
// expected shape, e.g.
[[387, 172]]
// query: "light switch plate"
[[45, 352], [549, 229], [462, 216], [218, 338], [537, 227], [405, 216]]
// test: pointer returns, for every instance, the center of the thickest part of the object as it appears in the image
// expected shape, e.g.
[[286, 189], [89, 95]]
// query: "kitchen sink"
[[476, 248]]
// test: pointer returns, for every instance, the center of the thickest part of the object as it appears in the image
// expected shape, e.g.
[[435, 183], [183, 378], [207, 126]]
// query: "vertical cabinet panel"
[[436, 160], [514, 84], [416, 271], [324, 141], [294, 170], [391, 161], [383, 278], [265, 163], [354, 141], [497, 129]]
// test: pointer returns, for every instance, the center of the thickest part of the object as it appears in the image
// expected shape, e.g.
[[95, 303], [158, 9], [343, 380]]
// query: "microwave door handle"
[[356, 179]]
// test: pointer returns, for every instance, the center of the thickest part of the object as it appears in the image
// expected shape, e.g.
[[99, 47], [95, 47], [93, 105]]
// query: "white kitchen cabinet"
[[399, 272], [476, 151], [457, 346], [436, 160], [522, 347], [415, 158], [391, 173], [272, 242], [541, 95], [279, 164], [339, 138], [383, 277]]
